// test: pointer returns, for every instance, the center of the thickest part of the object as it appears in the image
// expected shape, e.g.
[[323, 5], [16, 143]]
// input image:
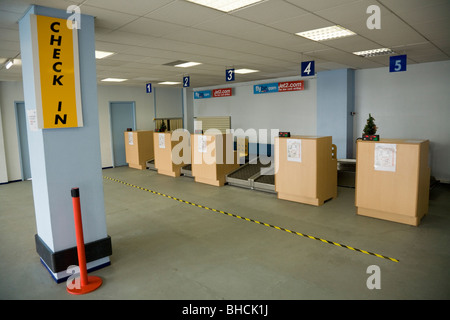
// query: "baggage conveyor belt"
[[253, 175]]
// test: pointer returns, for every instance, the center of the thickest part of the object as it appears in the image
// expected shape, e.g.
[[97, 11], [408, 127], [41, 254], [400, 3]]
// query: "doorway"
[[22, 134], [123, 116]]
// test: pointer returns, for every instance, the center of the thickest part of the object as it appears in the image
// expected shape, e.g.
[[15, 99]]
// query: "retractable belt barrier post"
[[87, 283]]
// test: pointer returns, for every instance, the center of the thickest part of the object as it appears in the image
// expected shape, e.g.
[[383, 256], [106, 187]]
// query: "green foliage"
[[370, 127], [163, 126]]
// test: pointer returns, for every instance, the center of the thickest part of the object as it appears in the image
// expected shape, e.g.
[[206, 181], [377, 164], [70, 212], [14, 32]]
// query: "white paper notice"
[[162, 141], [385, 157], [32, 119], [294, 150], [202, 144], [130, 138]]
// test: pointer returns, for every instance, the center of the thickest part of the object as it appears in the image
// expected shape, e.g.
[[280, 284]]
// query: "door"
[[22, 134], [122, 118]]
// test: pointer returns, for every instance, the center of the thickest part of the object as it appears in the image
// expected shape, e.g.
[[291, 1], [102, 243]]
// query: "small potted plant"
[[162, 128], [370, 129]]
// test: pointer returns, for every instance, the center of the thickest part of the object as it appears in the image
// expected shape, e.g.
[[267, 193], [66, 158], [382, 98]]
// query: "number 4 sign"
[[397, 63], [308, 68]]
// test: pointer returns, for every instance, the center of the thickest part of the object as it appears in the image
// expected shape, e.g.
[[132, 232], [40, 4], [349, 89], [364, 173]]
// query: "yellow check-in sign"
[[56, 72]]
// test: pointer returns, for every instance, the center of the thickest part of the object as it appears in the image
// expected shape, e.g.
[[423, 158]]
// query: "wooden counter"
[[305, 169], [393, 180], [213, 157], [164, 161], [138, 148]]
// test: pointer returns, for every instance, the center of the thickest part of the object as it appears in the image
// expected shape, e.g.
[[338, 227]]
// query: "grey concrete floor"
[[167, 250]]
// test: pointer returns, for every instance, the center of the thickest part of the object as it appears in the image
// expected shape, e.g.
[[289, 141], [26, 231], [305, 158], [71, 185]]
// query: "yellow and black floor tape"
[[254, 221]]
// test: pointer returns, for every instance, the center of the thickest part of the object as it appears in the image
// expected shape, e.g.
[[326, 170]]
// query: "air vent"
[[174, 63]]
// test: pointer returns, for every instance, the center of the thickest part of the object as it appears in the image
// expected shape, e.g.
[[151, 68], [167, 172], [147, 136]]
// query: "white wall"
[[10, 92], [409, 105], [169, 102], [145, 112], [412, 105], [3, 168], [287, 111]]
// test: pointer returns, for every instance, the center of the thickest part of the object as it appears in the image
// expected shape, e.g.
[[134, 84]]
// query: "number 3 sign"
[[397, 63]]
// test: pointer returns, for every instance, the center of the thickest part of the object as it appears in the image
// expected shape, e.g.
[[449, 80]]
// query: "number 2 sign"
[[397, 63], [186, 81]]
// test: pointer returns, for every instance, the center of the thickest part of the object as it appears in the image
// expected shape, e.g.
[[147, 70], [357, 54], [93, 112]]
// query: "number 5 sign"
[[397, 63], [308, 68]]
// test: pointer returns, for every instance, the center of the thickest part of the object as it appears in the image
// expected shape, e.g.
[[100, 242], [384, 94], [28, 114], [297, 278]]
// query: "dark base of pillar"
[[57, 262]]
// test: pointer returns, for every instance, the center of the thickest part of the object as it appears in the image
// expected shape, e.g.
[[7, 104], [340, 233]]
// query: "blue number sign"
[[308, 68], [148, 87], [230, 75], [397, 63], [186, 81]]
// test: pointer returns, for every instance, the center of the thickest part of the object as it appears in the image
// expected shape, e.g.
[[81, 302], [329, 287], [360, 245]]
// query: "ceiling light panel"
[[102, 54], [114, 80], [328, 33], [187, 64], [245, 71], [169, 82], [226, 5], [374, 52]]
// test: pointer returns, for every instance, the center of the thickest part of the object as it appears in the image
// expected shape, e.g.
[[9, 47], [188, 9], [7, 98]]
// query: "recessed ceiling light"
[[169, 82], [225, 5], [327, 33], [187, 64], [102, 54], [244, 71], [9, 64], [114, 80], [374, 52]]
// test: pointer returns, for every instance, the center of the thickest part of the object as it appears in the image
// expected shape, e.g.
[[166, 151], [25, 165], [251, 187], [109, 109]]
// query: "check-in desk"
[[213, 157], [138, 148], [393, 180], [167, 162], [305, 169]]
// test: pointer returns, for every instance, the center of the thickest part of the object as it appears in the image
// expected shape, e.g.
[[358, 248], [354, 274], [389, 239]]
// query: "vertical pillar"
[[335, 103], [64, 157]]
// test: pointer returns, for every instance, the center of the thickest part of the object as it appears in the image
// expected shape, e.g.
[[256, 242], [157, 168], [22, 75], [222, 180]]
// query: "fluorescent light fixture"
[[374, 52], [9, 64], [245, 71], [225, 5], [169, 82], [114, 80], [327, 33], [102, 54], [187, 64]]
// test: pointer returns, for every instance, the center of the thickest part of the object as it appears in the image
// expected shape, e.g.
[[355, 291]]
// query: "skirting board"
[[97, 253]]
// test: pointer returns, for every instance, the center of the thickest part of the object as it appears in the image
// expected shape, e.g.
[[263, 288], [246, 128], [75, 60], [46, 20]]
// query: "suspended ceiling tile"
[[105, 18], [183, 13], [150, 27], [349, 12], [351, 44], [301, 23], [269, 12], [317, 5], [137, 7], [227, 25]]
